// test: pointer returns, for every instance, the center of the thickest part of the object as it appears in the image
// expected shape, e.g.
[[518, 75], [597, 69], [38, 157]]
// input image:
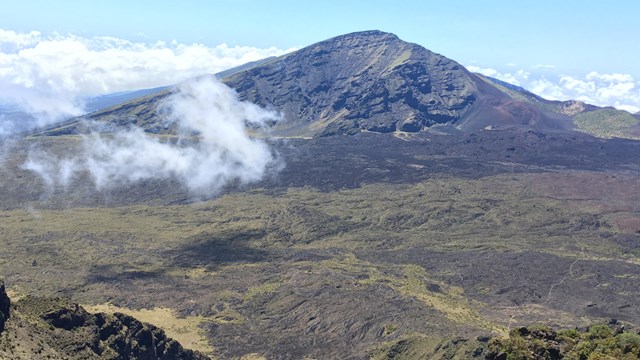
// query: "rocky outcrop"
[[116, 334], [5, 306], [57, 329]]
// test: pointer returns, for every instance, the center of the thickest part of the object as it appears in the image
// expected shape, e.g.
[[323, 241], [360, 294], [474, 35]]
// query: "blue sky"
[[567, 49], [575, 36]]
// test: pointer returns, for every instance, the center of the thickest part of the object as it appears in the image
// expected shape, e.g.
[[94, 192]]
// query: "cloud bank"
[[48, 76], [618, 90], [213, 151]]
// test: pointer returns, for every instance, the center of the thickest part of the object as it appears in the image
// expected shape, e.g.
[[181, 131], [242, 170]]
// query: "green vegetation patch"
[[607, 123], [596, 342]]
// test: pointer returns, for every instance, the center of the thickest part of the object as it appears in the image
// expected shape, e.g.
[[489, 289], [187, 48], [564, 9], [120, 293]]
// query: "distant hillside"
[[103, 101], [609, 123], [369, 81], [568, 108], [601, 122]]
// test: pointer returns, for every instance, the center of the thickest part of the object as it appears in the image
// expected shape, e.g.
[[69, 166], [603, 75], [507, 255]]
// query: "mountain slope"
[[104, 101], [363, 81]]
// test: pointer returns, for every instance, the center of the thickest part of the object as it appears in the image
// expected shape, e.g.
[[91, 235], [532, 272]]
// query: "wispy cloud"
[[515, 78], [222, 153], [49, 75], [618, 90], [543, 66]]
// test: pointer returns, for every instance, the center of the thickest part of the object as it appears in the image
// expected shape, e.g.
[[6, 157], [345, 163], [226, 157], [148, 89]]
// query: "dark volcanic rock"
[[368, 80], [5, 305]]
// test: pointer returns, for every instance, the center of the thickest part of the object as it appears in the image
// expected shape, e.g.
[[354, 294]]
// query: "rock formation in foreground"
[[57, 329]]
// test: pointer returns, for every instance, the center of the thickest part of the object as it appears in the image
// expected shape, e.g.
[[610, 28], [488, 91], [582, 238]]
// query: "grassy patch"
[[400, 59], [261, 290]]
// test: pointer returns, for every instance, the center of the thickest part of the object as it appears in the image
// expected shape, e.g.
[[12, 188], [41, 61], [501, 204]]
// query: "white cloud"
[[511, 78], [49, 75], [222, 154], [618, 90], [11, 41], [543, 66], [610, 78]]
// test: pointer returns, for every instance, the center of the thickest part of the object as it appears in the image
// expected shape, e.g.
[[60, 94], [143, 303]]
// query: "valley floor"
[[348, 251]]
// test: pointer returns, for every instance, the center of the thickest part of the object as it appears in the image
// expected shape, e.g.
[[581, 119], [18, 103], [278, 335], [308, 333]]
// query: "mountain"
[[371, 81], [362, 81]]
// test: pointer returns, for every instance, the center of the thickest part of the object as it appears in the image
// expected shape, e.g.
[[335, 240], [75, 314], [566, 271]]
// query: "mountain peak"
[[365, 35], [369, 80]]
